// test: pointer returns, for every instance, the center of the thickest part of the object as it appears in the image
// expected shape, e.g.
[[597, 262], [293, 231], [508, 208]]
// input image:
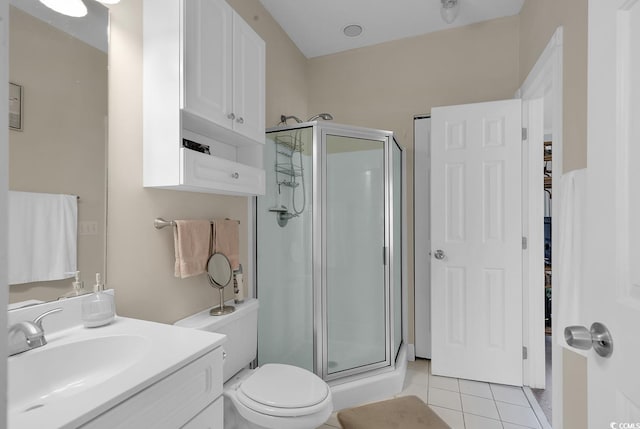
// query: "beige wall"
[[140, 258], [62, 146], [384, 86], [574, 395], [538, 21]]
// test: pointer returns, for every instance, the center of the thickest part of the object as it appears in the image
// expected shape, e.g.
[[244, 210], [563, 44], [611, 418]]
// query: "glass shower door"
[[284, 250], [356, 329]]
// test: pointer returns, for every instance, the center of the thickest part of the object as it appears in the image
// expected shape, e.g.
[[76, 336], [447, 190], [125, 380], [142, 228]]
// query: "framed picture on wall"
[[15, 107]]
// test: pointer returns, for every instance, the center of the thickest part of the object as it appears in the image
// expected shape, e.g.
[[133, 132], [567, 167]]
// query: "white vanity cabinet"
[[191, 397], [203, 81]]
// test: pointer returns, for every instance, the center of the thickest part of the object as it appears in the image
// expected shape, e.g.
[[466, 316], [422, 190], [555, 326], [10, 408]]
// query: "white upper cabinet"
[[248, 83], [208, 60], [203, 82]]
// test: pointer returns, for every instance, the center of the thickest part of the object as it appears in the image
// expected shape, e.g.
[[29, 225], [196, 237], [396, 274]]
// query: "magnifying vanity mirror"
[[219, 271], [60, 65]]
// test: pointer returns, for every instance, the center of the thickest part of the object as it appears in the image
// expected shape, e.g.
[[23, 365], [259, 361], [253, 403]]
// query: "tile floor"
[[465, 404]]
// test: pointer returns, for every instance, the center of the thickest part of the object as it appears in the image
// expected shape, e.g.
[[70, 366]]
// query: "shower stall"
[[329, 259]]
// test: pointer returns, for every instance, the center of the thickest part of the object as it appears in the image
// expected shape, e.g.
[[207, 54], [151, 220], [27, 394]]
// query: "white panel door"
[[612, 264], [208, 60], [476, 244]]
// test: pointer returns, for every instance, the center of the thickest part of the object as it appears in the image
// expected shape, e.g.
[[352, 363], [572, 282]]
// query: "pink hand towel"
[[225, 240], [192, 243]]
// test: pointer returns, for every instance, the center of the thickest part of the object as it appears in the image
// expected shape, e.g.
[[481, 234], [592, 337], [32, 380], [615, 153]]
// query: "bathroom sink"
[[55, 372], [81, 373]]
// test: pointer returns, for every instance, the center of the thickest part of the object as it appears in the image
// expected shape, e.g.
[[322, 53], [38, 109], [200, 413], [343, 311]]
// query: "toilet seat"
[[283, 391]]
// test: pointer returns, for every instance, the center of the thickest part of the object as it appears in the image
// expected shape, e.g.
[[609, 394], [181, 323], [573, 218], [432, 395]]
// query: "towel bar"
[[160, 223]]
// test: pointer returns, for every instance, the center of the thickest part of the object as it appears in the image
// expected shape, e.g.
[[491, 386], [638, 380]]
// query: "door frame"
[[4, 191], [544, 80], [422, 235]]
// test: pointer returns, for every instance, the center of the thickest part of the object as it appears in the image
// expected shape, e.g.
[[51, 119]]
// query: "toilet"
[[273, 396]]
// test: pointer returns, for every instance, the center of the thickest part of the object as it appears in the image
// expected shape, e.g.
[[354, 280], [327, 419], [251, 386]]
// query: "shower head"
[[323, 116], [283, 119]]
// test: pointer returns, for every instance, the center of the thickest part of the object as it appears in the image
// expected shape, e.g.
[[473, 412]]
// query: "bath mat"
[[406, 412]]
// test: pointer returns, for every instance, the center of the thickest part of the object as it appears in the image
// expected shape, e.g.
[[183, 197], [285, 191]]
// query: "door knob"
[[231, 116], [240, 120], [597, 337], [439, 254]]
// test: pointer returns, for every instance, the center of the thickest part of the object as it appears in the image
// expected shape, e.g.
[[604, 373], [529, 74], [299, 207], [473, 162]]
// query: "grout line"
[[493, 396], [492, 419]]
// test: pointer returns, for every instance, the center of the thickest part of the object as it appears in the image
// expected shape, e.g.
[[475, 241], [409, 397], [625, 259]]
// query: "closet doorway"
[[544, 396]]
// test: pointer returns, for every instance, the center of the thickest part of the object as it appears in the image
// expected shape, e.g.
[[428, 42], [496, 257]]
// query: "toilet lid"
[[284, 386]]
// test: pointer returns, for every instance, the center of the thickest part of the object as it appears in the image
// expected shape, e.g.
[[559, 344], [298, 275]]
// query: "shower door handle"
[[439, 254]]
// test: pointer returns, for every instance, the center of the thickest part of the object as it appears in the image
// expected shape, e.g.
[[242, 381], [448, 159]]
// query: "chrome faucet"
[[33, 333]]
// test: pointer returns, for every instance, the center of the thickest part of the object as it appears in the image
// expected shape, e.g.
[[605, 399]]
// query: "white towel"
[[568, 273], [43, 236]]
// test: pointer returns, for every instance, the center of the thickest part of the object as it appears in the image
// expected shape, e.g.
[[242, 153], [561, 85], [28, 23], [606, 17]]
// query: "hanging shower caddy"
[[286, 168]]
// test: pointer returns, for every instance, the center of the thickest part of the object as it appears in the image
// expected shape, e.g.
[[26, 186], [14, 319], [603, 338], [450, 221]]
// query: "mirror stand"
[[221, 309], [220, 273]]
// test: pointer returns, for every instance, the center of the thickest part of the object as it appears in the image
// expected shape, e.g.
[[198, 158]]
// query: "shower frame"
[[319, 248]]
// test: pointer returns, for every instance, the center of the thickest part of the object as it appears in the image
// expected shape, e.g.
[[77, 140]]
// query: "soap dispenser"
[[78, 286], [98, 309]]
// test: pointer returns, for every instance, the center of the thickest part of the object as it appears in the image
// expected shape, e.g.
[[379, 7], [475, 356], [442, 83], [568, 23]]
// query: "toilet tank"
[[241, 329]]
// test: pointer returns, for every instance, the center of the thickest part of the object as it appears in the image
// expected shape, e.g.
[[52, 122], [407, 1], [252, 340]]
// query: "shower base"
[[369, 387]]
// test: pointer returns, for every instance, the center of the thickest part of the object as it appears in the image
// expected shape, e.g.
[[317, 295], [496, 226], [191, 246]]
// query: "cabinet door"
[[172, 401], [248, 82], [208, 79]]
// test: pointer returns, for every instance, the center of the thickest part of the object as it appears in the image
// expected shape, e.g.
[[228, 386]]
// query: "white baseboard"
[[536, 408]]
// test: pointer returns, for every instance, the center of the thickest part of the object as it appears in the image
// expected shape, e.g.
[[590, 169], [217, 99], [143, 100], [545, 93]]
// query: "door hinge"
[[524, 353], [524, 243], [525, 134]]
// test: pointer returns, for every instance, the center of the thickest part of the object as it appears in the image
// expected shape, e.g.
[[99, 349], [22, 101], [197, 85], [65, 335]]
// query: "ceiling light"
[[352, 30], [73, 8], [449, 10]]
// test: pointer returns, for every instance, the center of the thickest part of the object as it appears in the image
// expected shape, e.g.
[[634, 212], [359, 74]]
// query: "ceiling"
[[315, 26]]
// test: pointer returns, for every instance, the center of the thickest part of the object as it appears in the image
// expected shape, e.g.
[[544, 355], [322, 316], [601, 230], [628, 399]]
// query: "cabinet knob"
[[231, 116], [236, 175], [240, 120]]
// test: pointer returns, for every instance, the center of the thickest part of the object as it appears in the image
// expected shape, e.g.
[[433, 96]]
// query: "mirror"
[[219, 271], [60, 63]]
